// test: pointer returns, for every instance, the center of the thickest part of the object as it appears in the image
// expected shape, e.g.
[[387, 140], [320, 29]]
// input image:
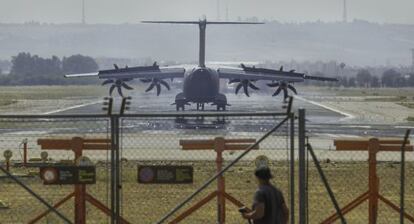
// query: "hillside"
[[357, 43]]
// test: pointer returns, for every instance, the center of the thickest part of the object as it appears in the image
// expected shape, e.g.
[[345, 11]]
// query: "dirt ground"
[[148, 203]]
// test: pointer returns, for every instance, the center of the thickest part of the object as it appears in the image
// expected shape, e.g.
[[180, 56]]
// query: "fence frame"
[[115, 160]]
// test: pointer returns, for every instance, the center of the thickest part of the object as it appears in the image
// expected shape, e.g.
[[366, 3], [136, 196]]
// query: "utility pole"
[[227, 10], [412, 60], [344, 15], [83, 12], [218, 10]]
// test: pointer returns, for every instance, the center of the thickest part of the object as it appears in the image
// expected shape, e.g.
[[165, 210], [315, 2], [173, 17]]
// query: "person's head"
[[263, 174]]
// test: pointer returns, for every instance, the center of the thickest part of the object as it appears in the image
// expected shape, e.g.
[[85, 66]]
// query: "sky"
[[133, 11]]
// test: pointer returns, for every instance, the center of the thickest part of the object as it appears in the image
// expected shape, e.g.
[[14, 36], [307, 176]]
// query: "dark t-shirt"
[[273, 201]]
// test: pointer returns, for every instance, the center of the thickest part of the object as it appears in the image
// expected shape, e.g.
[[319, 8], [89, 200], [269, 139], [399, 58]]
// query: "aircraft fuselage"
[[201, 85]]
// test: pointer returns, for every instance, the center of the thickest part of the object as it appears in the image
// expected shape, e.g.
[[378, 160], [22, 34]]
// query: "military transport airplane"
[[201, 84]]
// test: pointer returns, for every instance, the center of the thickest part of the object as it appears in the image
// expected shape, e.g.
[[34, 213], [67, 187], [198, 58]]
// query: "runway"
[[322, 121]]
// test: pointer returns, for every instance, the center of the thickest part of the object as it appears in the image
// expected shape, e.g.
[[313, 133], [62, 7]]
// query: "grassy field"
[[147, 203], [50, 92], [396, 92]]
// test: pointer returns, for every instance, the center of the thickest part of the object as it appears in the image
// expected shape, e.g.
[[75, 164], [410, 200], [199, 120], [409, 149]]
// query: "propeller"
[[155, 82], [118, 84], [282, 86], [245, 83]]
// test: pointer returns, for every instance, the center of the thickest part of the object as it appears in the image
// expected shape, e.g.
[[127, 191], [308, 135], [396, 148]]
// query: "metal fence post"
[[402, 177], [302, 167], [115, 171], [292, 168]]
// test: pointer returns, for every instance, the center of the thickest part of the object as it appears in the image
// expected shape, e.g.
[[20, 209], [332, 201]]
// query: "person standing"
[[269, 205]]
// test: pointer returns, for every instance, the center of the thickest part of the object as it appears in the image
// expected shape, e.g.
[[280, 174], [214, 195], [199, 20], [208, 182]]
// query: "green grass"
[[50, 92], [407, 104], [148, 203], [397, 92]]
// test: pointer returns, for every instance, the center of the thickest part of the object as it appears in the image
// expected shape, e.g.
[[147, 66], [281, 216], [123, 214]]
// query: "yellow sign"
[[7, 154]]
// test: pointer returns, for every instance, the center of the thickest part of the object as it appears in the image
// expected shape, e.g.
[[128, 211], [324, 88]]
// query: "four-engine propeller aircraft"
[[201, 84]]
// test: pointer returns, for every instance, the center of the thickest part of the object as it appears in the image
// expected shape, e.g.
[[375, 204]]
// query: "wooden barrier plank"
[[239, 146], [55, 144], [197, 146], [97, 140], [360, 145], [241, 140], [395, 148], [346, 145], [91, 146]]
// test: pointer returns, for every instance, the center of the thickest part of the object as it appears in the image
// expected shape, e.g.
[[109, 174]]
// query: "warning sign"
[[165, 174], [68, 175]]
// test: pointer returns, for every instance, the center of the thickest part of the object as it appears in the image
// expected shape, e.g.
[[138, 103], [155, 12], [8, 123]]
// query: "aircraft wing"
[[140, 72], [255, 74], [241, 74]]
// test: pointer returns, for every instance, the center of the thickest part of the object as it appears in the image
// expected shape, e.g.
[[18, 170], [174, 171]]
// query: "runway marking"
[[72, 107], [347, 115]]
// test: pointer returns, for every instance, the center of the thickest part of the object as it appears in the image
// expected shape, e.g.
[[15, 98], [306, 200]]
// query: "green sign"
[[68, 175], [165, 174]]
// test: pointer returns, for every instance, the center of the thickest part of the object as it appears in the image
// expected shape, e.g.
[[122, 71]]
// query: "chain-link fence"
[[156, 141], [20, 136], [347, 171], [143, 141], [152, 140]]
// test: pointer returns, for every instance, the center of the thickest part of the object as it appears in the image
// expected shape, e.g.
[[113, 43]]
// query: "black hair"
[[263, 172]]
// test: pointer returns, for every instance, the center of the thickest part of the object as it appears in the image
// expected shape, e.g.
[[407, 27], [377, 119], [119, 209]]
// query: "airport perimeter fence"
[[145, 140], [346, 169]]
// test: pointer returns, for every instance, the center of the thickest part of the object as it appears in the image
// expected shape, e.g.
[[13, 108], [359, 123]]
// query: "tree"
[[410, 81], [391, 78], [375, 83], [363, 78], [78, 64], [30, 69], [352, 82]]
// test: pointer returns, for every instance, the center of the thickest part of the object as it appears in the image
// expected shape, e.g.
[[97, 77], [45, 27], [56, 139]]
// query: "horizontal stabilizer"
[[176, 22], [82, 75], [200, 21]]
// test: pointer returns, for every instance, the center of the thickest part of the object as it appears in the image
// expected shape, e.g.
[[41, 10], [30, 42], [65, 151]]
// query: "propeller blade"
[[234, 81], [274, 84], [158, 89], [281, 68], [246, 90], [285, 94], [251, 85], [116, 66], [120, 91], [146, 80], [126, 86], [277, 91], [164, 83], [238, 88], [293, 89], [107, 81], [150, 87], [111, 89]]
